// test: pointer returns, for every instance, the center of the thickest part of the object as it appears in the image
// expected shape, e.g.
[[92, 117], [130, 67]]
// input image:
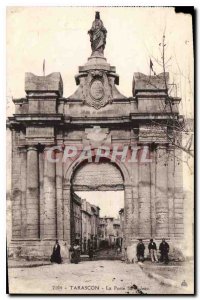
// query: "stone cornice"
[[100, 120], [60, 119], [20, 100], [153, 116], [38, 117]]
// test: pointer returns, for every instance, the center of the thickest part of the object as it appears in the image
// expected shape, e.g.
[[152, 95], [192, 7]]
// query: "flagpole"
[[150, 66], [44, 67]]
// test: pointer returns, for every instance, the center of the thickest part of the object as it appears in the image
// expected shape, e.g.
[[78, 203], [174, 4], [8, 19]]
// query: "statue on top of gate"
[[97, 36], [96, 79]]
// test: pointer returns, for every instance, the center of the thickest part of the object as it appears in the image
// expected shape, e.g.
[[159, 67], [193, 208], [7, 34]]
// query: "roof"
[[77, 199], [104, 218], [121, 211], [95, 209], [116, 222]]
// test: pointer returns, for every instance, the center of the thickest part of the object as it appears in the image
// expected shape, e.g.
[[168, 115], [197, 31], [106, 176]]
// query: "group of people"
[[163, 248], [75, 252]]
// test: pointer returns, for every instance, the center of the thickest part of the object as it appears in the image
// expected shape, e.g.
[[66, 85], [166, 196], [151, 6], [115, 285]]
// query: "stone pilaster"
[[16, 189], [178, 194], [32, 193], [49, 192], [170, 179], [41, 190], [23, 156], [128, 213], [144, 200], [135, 196], [59, 195], [66, 212], [162, 214], [153, 193]]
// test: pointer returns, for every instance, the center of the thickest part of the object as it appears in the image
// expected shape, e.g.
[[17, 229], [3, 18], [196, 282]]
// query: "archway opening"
[[97, 209]]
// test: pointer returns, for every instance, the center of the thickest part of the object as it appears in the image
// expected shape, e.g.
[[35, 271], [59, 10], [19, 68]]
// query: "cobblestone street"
[[108, 254], [95, 277]]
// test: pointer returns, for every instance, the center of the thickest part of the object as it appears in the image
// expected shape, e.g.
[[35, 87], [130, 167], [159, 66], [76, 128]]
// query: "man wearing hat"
[[153, 251], [140, 250]]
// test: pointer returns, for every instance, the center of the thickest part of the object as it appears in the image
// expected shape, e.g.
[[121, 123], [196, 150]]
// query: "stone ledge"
[[26, 264], [35, 249]]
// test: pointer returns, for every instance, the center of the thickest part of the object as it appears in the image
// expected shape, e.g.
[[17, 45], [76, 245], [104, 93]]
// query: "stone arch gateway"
[[97, 116], [104, 179]]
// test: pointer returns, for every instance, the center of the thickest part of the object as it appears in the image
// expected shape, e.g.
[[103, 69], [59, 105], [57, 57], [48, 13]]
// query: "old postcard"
[[100, 150]]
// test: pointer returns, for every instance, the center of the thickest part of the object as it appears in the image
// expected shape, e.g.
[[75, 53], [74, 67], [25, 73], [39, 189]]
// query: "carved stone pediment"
[[96, 81]]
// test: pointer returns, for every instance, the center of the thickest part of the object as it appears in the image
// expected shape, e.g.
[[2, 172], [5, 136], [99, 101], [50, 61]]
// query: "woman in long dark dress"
[[56, 256], [75, 253]]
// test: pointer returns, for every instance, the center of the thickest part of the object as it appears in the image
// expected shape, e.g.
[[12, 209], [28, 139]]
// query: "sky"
[[110, 202], [59, 35]]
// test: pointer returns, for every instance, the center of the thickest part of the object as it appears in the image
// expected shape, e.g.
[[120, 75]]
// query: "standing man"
[[140, 250], [153, 251], [125, 255], [91, 252], [164, 250]]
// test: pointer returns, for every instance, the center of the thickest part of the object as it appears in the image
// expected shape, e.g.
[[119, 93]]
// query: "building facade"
[[90, 222], [109, 232], [121, 221], [86, 225], [97, 114], [94, 226], [76, 218]]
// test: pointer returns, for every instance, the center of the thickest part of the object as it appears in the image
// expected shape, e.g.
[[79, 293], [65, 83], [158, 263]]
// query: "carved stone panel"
[[96, 90]]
